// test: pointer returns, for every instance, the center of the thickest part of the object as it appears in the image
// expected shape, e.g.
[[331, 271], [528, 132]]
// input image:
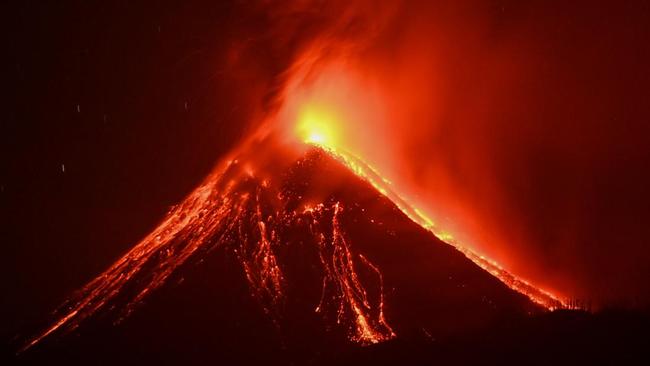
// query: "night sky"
[[114, 112]]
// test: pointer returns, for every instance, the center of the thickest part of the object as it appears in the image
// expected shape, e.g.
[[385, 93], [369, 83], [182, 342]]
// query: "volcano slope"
[[277, 257]]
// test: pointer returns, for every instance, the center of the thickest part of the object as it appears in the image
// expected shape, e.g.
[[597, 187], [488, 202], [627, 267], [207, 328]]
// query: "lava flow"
[[371, 175]]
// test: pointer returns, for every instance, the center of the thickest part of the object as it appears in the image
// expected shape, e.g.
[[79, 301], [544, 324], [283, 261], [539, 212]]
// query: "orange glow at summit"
[[317, 125]]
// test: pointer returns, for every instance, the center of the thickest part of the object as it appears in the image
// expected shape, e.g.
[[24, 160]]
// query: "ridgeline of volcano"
[[300, 249]]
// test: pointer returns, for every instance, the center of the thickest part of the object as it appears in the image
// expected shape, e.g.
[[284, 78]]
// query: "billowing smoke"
[[519, 127]]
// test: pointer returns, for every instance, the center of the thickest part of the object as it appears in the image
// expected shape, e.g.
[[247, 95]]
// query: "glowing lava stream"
[[372, 176]]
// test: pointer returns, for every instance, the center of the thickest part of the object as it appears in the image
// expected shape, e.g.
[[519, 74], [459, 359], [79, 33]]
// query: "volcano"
[[304, 246]]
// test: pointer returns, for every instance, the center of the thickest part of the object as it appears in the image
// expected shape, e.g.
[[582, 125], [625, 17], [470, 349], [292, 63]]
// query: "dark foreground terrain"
[[560, 338]]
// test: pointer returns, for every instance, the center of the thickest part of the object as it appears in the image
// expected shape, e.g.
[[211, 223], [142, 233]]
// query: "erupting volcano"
[[315, 231], [325, 183]]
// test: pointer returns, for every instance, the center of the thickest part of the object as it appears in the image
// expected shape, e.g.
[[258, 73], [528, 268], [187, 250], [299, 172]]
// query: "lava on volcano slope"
[[258, 204], [236, 210], [372, 176]]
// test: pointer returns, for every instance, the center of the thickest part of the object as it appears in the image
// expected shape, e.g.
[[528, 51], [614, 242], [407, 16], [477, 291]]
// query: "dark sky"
[[112, 113]]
